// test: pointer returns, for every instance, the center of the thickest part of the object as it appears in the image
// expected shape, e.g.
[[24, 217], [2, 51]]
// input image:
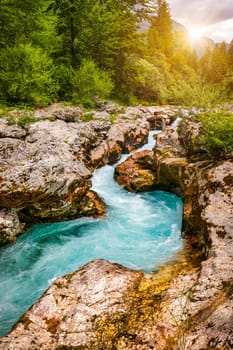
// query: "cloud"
[[208, 11], [215, 15], [222, 31]]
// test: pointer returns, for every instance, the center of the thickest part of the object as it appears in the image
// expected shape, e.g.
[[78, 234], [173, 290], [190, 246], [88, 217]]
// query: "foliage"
[[147, 82], [218, 129], [21, 120], [86, 117], [160, 35], [182, 324], [90, 82], [26, 75], [74, 50]]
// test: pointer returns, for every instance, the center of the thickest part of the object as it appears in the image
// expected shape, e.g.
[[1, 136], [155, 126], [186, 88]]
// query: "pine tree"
[[219, 62], [160, 34]]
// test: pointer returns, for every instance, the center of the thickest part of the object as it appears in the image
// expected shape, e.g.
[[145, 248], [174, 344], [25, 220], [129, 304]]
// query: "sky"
[[214, 17]]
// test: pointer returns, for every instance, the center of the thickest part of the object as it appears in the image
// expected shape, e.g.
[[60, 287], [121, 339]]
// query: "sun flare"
[[195, 33]]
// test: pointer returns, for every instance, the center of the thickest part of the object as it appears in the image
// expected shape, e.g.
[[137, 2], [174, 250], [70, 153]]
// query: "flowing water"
[[141, 231]]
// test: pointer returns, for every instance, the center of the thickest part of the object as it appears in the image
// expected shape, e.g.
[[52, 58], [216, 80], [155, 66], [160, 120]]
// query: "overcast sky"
[[215, 16]]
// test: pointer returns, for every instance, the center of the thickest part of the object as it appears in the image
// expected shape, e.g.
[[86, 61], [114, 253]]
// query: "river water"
[[141, 231]]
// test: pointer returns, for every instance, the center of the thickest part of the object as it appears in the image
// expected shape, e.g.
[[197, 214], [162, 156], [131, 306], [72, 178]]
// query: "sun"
[[195, 33]]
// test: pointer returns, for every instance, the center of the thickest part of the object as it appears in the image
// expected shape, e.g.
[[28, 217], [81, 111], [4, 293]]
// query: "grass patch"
[[87, 117], [21, 120]]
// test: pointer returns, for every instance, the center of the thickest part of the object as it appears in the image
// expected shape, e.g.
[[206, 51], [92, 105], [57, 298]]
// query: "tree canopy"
[[51, 48]]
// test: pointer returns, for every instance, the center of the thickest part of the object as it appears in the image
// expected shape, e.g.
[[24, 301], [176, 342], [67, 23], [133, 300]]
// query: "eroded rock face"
[[121, 138], [137, 174], [44, 175], [76, 310], [10, 225], [46, 166], [106, 306], [208, 223], [206, 188]]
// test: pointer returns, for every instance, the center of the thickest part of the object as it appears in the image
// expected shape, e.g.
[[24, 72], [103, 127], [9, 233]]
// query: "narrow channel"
[[141, 231]]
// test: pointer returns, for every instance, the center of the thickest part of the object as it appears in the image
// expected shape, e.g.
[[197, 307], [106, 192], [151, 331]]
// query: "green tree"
[[160, 34], [219, 63], [19, 20], [230, 56], [90, 82], [26, 75]]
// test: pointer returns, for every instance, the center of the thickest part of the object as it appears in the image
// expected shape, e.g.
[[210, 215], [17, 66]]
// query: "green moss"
[[144, 305]]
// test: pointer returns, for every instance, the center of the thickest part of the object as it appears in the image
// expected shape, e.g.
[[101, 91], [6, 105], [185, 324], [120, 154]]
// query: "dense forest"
[[77, 50]]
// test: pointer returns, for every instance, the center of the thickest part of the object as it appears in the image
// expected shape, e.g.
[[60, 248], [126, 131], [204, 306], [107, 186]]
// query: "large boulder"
[[136, 173], [46, 166], [44, 176], [77, 311]]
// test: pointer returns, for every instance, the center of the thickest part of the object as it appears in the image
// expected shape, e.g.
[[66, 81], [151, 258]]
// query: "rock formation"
[[137, 173], [187, 304], [46, 166], [183, 166]]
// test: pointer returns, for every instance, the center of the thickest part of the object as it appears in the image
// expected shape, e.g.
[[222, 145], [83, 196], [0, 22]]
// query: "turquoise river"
[[141, 231]]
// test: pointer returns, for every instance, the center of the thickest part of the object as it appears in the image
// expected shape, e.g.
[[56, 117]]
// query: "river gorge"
[[184, 303]]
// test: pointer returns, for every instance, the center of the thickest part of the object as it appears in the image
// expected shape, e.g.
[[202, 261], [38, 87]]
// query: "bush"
[[63, 75], [218, 129], [90, 82], [26, 76], [149, 83]]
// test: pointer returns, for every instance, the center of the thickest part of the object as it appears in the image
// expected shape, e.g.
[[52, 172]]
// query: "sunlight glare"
[[195, 33]]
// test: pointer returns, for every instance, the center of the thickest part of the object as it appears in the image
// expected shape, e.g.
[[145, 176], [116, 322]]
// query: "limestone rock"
[[46, 166], [44, 175], [105, 306], [76, 309], [11, 131], [206, 301], [136, 172], [10, 226], [191, 134], [121, 138], [58, 111]]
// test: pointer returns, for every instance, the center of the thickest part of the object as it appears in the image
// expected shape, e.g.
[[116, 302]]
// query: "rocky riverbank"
[[47, 160], [187, 304]]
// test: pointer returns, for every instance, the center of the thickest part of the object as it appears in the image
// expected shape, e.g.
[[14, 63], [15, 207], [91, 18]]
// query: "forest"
[[80, 50]]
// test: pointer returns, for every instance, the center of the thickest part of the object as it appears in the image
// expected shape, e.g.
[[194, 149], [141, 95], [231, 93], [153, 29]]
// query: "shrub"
[[218, 129], [90, 82], [26, 75], [21, 120]]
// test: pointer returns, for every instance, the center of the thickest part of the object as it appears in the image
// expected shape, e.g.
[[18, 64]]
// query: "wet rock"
[[121, 138], [45, 171], [205, 298], [136, 173], [105, 306], [44, 176], [10, 226]]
